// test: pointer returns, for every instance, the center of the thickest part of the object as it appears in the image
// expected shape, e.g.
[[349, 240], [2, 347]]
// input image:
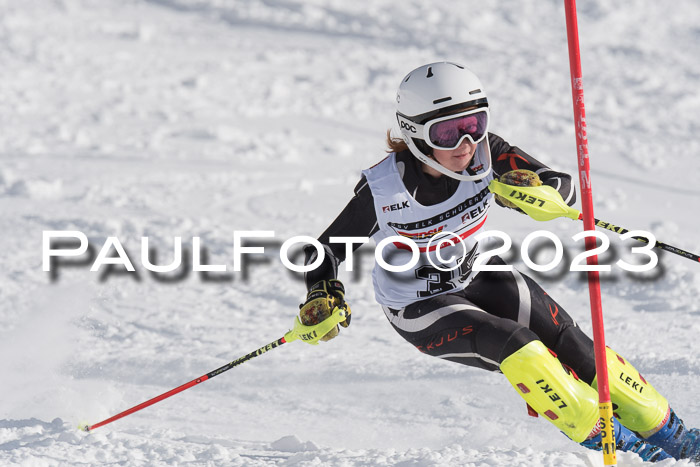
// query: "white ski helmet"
[[429, 93]]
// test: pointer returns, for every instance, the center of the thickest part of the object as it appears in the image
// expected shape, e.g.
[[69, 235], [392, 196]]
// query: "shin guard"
[[552, 391], [637, 405]]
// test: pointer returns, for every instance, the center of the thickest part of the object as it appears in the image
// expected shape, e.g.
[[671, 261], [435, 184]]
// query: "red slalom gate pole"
[[605, 406]]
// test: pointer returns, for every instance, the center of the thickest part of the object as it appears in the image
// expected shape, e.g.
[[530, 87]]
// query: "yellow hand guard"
[[314, 333], [323, 298], [518, 177]]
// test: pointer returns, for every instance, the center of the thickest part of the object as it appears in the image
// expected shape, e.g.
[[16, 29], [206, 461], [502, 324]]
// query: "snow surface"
[[188, 118]]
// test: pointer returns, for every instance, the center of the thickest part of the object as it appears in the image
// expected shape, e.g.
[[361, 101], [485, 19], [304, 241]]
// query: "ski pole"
[[201, 379], [544, 203], [309, 334], [663, 246]]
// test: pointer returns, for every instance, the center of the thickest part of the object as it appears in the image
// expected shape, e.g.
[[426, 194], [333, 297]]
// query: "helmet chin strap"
[[444, 170]]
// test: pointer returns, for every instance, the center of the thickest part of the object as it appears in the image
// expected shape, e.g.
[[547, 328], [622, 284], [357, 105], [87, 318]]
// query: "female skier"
[[435, 181]]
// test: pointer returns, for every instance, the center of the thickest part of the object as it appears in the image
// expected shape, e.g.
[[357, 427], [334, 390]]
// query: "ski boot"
[[628, 441], [676, 439]]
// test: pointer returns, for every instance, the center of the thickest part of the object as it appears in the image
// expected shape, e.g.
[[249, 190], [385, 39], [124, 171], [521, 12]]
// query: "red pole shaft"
[[194, 382], [587, 202], [149, 402]]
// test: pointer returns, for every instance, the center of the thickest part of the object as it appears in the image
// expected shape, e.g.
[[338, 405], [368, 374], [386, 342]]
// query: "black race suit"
[[498, 312]]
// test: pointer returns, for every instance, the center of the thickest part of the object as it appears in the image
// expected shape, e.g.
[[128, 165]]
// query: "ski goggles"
[[450, 131]]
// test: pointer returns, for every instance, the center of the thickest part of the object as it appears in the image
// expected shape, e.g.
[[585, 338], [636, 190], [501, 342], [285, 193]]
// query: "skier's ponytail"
[[395, 144]]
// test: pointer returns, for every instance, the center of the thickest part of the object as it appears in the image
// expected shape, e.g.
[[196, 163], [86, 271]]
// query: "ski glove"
[[519, 177], [323, 297]]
